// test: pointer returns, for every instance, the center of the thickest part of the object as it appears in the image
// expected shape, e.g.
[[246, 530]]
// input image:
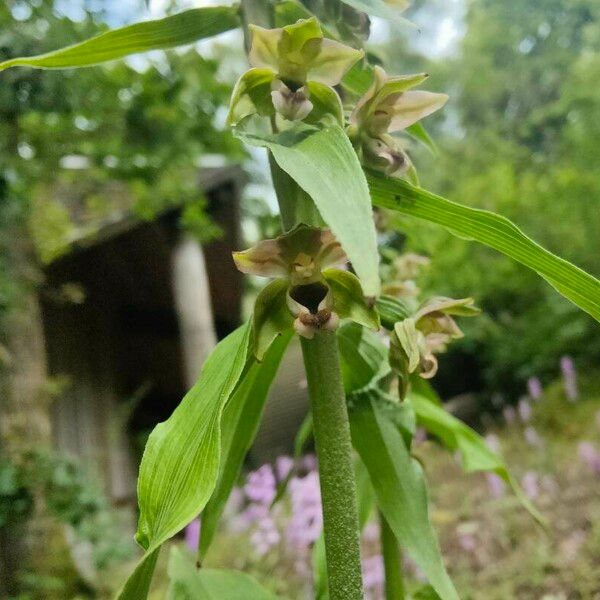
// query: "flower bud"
[[384, 154]]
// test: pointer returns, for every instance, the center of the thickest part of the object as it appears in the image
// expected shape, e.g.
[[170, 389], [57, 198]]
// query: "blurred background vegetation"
[[519, 136]]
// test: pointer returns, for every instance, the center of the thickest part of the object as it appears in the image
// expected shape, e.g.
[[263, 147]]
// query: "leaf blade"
[[492, 230], [324, 164], [176, 30]]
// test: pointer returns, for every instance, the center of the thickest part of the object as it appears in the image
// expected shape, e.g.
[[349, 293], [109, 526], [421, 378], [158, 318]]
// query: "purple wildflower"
[[496, 485], [530, 485], [283, 467], [420, 435], [306, 522], [509, 414], [371, 532], [569, 378], [467, 542], [265, 535], [534, 387], [260, 485], [532, 437], [589, 456], [192, 535], [493, 442], [373, 572], [524, 409]]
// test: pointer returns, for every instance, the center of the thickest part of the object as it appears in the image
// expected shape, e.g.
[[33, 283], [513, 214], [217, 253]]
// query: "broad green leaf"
[[348, 299], [239, 424], [383, 9], [399, 486], [176, 30], [324, 164], [180, 464], [476, 454], [186, 582], [494, 231]]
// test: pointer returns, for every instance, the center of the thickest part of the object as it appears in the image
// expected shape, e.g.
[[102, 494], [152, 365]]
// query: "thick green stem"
[[392, 562], [336, 472]]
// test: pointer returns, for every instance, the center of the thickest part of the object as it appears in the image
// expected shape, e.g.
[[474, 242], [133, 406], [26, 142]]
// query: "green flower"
[[389, 106], [294, 69], [416, 340], [307, 294]]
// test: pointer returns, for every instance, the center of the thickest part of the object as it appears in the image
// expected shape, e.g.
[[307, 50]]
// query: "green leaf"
[[363, 357], [137, 585], [399, 486], [189, 583], [272, 316], [180, 464], [176, 30], [381, 8], [239, 424], [494, 231], [476, 454], [324, 164], [418, 131], [348, 299], [391, 310]]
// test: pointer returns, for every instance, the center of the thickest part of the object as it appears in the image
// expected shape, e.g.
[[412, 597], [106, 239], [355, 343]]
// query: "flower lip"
[[309, 295]]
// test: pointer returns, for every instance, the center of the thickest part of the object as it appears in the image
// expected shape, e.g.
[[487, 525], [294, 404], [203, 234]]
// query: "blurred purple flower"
[[569, 378], [493, 442], [420, 435], [532, 437], [534, 387], [589, 456], [309, 462], [306, 522], [509, 414], [530, 485], [283, 467], [467, 542], [524, 409], [496, 485], [373, 572], [265, 536], [261, 485], [192, 535], [371, 532]]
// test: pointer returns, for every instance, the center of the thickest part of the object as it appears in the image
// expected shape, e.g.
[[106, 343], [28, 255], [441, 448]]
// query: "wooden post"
[[193, 305]]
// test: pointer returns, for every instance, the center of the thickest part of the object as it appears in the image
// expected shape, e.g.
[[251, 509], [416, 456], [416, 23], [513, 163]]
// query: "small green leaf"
[[407, 336], [324, 164], [399, 486], [363, 357], [494, 231], [476, 455], [391, 310], [176, 30], [348, 299], [137, 585], [189, 583], [418, 131], [240, 422], [272, 316]]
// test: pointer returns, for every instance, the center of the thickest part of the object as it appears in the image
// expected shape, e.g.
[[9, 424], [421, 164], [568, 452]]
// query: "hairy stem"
[[336, 472], [392, 562]]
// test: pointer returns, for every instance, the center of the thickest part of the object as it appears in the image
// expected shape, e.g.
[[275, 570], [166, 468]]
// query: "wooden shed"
[[129, 315]]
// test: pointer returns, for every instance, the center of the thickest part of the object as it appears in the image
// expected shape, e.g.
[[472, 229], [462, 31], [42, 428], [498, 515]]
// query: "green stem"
[[336, 472], [392, 562]]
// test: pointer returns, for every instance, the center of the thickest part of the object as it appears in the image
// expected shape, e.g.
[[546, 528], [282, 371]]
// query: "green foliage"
[[324, 164], [492, 230], [176, 30]]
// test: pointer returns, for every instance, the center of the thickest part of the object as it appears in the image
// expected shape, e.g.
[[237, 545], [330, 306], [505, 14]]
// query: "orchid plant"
[[330, 122]]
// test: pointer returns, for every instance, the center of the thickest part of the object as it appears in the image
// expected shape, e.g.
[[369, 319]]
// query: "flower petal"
[[264, 49], [413, 106], [264, 259], [251, 95], [332, 62]]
